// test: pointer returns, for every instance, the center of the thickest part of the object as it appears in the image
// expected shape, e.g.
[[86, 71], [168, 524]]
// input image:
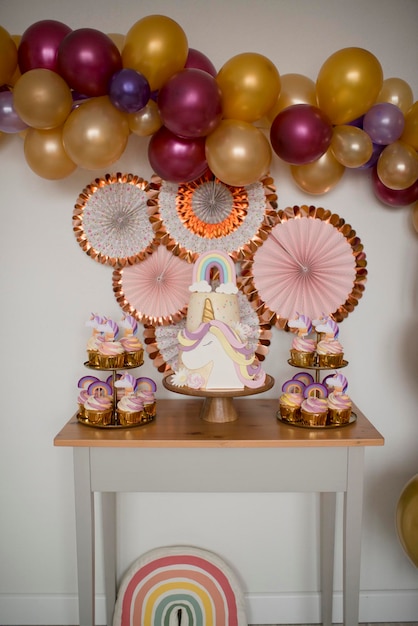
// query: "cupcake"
[[339, 408], [133, 351], [150, 405], [314, 411], [302, 352], [98, 410], [82, 398], [330, 353], [290, 400], [130, 410], [110, 355]]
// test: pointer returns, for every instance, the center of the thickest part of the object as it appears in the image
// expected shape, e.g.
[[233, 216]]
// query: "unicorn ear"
[[208, 313]]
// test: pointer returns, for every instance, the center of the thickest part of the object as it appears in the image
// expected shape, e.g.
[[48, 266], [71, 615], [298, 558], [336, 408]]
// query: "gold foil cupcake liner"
[[92, 356], [290, 414], [339, 416], [134, 359], [330, 360], [150, 409], [109, 362], [314, 419], [302, 359], [127, 418], [98, 417]]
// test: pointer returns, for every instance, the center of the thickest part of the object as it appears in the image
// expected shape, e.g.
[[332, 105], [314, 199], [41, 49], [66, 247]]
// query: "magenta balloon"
[[199, 61], [300, 134], [384, 123], [393, 197], [38, 47], [176, 159], [87, 60], [190, 103], [10, 121]]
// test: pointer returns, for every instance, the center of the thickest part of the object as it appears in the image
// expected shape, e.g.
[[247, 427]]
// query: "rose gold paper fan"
[[312, 263], [162, 346], [110, 219], [192, 218], [156, 290]]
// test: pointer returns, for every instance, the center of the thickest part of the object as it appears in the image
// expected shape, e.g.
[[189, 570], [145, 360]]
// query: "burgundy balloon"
[[300, 134], [176, 159], [393, 197], [190, 103], [38, 47], [87, 60], [199, 61]]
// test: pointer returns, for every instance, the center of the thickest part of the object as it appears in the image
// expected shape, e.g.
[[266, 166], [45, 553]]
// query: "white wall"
[[49, 287]]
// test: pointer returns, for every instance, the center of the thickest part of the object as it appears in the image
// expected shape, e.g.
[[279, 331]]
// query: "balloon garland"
[[76, 95]]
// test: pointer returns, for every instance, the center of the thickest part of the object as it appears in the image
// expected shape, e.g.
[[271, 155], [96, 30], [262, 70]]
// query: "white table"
[[256, 453]]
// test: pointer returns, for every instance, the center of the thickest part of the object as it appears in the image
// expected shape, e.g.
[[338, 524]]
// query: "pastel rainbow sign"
[[214, 259], [179, 586]]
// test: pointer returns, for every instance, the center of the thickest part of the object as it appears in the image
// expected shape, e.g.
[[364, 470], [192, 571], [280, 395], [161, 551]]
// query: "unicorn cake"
[[213, 347]]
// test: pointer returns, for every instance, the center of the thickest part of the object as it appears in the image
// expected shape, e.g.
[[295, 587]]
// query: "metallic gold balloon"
[[156, 46], [396, 91], [42, 99], [118, 40], [320, 176], [8, 57], [415, 216], [250, 86], [17, 73], [397, 166], [146, 121], [45, 154], [238, 153], [348, 84], [295, 89], [410, 131], [95, 134], [351, 146], [407, 519]]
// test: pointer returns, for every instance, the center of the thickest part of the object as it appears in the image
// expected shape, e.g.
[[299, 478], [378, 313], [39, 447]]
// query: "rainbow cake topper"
[[214, 260]]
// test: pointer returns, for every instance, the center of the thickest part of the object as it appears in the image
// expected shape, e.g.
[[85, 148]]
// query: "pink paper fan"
[[305, 266], [155, 290]]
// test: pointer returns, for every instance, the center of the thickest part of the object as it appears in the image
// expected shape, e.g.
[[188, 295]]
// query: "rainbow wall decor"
[[179, 586]]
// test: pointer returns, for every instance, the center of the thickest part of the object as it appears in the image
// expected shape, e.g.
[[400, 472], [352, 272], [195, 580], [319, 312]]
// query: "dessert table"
[[255, 453]]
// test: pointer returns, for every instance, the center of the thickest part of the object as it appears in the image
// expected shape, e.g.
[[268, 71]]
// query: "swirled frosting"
[[315, 405], [130, 404], [339, 401], [98, 403], [110, 348], [329, 346], [291, 400], [302, 344], [131, 343], [94, 342]]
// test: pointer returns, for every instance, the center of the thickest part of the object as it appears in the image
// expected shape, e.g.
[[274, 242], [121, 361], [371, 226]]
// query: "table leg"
[[84, 517], [109, 552], [353, 508], [328, 502]]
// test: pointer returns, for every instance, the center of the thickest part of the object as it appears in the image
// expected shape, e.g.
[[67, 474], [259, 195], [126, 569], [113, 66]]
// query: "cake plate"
[[218, 405]]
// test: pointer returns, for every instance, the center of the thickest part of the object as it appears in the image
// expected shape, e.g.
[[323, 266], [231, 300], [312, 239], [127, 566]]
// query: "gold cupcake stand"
[[145, 416]]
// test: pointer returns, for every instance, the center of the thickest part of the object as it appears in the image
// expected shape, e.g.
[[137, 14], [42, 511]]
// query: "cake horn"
[[208, 311]]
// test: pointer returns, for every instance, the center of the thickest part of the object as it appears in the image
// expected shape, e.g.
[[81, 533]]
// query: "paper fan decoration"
[[192, 218], [162, 346], [312, 263], [156, 290], [180, 586], [110, 219]]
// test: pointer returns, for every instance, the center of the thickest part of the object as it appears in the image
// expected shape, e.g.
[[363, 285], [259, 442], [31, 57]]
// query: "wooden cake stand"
[[218, 406]]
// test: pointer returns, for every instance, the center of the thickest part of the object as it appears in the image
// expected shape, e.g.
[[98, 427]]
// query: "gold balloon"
[[250, 86], [118, 40], [351, 146], [42, 99], [348, 84], [396, 91], [397, 166], [295, 89], [407, 519], [95, 134], [146, 121], [45, 154], [8, 57], [156, 46], [17, 73], [238, 153], [415, 216], [410, 131], [320, 176]]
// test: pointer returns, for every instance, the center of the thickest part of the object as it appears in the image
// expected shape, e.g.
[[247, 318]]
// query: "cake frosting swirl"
[[312, 404], [339, 401]]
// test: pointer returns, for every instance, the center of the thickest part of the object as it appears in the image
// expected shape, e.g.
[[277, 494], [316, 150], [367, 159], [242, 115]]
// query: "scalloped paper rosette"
[[162, 346], [312, 263], [192, 218], [110, 219], [155, 290]]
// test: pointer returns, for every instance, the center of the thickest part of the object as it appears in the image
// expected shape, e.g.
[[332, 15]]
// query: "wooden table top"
[[178, 425]]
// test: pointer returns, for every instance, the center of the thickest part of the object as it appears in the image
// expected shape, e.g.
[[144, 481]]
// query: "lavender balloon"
[[384, 123], [10, 122], [129, 91]]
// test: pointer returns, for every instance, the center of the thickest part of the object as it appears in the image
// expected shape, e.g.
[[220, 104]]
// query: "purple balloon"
[[199, 61], [87, 60], [177, 159], [393, 197], [10, 122], [38, 47], [300, 134], [129, 91], [358, 122], [384, 123], [377, 150], [190, 103]]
